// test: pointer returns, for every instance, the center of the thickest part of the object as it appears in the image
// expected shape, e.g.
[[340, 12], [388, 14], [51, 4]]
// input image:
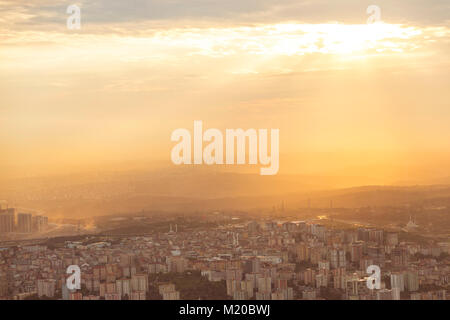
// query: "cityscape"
[[220, 159], [218, 256]]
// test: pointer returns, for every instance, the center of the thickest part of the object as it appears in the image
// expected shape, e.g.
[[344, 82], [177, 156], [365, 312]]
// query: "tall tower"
[[7, 220], [24, 222]]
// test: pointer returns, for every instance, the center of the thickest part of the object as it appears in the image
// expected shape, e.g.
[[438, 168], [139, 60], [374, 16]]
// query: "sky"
[[111, 93]]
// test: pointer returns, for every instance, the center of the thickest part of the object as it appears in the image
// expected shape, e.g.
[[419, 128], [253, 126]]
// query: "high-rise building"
[[392, 238], [411, 281], [377, 254], [253, 226], [123, 287], [399, 257], [319, 231], [40, 223], [233, 286], [365, 262], [324, 265], [265, 284], [168, 292], [113, 296], [248, 286], [385, 294], [256, 265], [283, 294], [177, 264], [363, 234], [65, 292], [339, 278], [321, 280], [24, 222], [46, 287], [309, 294], [7, 220], [395, 293], [309, 276], [240, 295], [376, 236], [337, 258], [127, 259], [139, 282], [302, 252], [397, 281], [356, 251], [357, 288], [3, 285]]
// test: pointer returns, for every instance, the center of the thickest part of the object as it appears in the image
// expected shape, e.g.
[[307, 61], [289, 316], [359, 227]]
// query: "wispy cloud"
[[314, 68]]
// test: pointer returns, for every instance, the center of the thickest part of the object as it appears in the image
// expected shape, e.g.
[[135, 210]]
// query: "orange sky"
[[112, 92]]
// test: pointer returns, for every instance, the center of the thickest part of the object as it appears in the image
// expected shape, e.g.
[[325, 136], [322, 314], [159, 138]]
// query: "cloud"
[[110, 13]]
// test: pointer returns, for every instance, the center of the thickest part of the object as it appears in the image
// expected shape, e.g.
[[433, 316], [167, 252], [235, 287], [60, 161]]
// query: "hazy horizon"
[[356, 103], [242, 151]]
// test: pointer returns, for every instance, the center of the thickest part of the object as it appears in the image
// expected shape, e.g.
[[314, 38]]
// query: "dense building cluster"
[[25, 222], [262, 260]]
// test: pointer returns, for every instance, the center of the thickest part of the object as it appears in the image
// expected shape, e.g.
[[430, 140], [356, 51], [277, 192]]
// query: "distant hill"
[[204, 189]]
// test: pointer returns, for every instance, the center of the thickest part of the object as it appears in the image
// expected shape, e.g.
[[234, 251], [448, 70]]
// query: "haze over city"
[[356, 92], [349, 98]]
